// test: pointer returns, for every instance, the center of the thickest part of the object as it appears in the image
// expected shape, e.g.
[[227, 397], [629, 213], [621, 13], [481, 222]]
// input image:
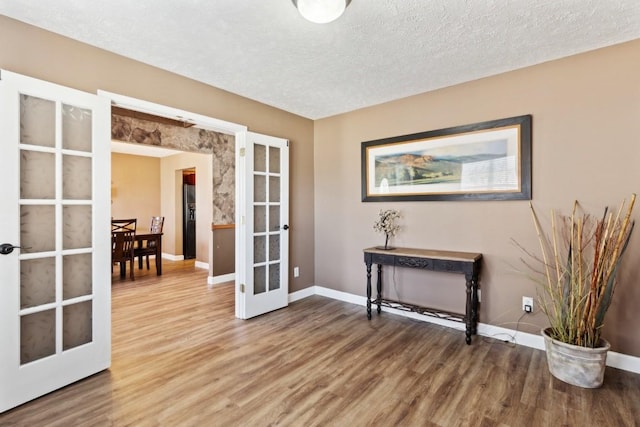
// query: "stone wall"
[[191, 139]]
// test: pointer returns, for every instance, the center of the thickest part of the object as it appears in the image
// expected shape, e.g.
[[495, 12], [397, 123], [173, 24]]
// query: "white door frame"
[[205, 122]]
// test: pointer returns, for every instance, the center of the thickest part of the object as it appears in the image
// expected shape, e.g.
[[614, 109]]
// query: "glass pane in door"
[[76, 177], [274, 159], [259, 189], [37, 121], [76, 128], [274, 218], [274, 247], [37, 228], [76, 324], [259, 219], [259, 158], [37, 336], [274, 277], [274, 188], [37, 281], [259, 249], [37, 180], [76, 227], [259, 280], [76, 275]]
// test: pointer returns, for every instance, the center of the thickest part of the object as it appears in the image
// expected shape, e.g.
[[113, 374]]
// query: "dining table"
[[143, 239]]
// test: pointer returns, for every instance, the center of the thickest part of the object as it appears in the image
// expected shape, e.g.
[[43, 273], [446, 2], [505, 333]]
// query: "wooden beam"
[[119, 111]]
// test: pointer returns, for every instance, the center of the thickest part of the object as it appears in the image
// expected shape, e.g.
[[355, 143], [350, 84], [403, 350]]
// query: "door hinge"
[[242, 288], [242, 152], [242, 220]]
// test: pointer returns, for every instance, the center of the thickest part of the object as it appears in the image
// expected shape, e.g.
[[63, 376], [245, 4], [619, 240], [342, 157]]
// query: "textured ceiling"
[[379, 50]]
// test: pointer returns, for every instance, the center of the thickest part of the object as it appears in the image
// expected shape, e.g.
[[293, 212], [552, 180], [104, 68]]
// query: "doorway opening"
[[189, 213], [219, 225]]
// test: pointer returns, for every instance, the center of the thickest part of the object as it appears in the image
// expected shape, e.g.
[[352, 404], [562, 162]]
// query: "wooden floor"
[[180, 358]]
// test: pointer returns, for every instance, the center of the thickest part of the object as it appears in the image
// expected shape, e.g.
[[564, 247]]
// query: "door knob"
[[285, 227], [7, 248]]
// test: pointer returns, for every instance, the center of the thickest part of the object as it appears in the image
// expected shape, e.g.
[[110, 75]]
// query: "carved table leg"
[[369, 291], [469, 319], [379, 286], [474, 304]]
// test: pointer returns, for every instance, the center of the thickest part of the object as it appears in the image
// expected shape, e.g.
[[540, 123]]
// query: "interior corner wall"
[[37, 53], [135, 187], [586, 110], [171, 202]]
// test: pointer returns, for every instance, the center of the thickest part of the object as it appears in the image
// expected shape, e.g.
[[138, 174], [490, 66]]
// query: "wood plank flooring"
[[180, 358]]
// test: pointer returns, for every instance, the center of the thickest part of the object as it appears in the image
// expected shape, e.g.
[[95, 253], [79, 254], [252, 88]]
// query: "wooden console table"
[[454, 262]]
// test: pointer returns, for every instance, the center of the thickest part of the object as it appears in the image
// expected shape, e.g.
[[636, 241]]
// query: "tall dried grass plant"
[[580, 257]]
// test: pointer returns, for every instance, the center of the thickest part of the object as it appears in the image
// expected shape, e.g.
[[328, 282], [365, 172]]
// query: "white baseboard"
[[339, 295], [301, 294], [172, 257], [623, 361], [224, 278], [203, 265], [614, 360]]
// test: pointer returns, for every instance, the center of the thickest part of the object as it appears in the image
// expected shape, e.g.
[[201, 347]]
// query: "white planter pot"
[[579, 366]]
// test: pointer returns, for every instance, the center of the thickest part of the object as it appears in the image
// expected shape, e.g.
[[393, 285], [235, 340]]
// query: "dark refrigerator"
[[189, 221]]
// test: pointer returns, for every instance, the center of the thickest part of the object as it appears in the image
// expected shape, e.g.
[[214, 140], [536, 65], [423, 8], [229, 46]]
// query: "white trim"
[[240, 229], [224, 278], [172, 257], [517, 337], [614, 359], [339, 295], [302, 294], [203, 265], [623, 361], [203, 122]]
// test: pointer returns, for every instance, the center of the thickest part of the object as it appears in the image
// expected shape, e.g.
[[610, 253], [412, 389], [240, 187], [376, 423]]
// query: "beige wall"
[[37, 53], [586, 111], [223, 260], [171, 168], [585, 145], [135, 187]]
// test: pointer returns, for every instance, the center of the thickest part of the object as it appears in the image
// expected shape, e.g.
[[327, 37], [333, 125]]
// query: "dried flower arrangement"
[[386, 224], [580, 258]]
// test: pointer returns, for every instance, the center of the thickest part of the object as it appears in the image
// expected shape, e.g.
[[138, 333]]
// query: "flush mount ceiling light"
[[321, 11]]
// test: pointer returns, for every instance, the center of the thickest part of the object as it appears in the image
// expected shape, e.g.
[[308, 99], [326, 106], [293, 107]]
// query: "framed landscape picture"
[[481, 161]]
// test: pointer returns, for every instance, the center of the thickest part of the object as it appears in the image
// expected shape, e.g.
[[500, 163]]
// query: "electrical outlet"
[[527, 304], [296, 271]]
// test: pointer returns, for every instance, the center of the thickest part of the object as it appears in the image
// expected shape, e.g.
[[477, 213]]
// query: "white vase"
[[576, 365]]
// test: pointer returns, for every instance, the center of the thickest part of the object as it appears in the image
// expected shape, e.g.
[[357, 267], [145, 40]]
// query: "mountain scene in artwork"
[[434, 166]]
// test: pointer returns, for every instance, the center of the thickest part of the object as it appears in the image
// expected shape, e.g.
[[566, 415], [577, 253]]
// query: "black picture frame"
[[489, 160]]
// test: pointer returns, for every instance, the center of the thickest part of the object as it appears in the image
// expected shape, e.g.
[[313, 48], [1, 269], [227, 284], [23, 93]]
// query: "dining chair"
[[122, 251], [123, 224], [157, 222]]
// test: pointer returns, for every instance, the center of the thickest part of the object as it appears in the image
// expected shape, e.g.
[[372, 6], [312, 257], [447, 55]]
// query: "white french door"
[[55, 281], [262, 249]]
